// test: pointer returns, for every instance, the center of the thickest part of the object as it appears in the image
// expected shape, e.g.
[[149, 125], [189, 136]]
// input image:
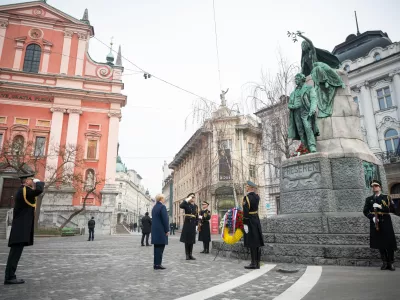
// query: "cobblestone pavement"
[[117, 267]]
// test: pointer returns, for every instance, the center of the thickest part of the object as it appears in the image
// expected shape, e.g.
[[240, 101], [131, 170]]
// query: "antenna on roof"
[[358, 30]]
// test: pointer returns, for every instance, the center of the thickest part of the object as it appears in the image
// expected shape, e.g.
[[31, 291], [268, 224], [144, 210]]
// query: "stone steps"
[[120, 229], [311, 254], [318, 239]]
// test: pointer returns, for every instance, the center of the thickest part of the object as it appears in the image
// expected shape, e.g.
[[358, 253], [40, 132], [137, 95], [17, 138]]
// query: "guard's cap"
[[205, 202], [376, 182], [191, 194], [25, 176], [251, 183]]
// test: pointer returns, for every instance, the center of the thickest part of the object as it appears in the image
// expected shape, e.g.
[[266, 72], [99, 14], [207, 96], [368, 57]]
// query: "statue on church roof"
[[222, 97]]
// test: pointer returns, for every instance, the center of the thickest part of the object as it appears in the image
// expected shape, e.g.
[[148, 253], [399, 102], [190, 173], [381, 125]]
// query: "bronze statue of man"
[[302, 119]]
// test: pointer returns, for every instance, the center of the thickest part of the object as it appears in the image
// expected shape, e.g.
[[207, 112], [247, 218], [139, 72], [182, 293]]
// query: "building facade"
[[217, 161], [54, 94], [167, 190], [372, 62], [133, 200]]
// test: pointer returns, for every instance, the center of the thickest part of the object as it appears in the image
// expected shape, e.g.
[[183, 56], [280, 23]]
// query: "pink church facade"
[[53, 92]]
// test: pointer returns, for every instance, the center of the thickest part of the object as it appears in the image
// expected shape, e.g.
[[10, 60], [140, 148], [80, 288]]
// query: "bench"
[[70, 231]]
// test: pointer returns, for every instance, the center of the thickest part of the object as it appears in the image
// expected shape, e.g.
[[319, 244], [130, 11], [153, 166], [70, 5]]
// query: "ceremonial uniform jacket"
[[384, 238], [188, 234], [254, 237], [22, 229], [205, 232]]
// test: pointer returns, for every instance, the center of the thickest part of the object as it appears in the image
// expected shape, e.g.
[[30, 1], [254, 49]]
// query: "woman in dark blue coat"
[[159, 230]]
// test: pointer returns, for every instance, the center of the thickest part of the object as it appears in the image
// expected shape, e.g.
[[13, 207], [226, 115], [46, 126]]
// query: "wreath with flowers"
[[233, 228], [301, 150]]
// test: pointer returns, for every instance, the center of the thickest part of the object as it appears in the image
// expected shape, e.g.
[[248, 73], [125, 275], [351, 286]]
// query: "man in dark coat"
[[22, 229], [91, 226], [253, 237], [188, 235], [172, 227], [159, 230], [377, 209], [146, 228], [204, 227]]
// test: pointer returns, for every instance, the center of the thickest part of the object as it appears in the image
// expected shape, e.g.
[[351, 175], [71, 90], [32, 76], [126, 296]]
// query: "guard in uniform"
[[188, 235], [23, 224], [204, 227], [253, 237], [377, 209]]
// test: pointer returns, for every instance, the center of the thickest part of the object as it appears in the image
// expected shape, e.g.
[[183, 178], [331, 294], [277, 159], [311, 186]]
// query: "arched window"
[[391, 139], [32, 58], [377, 56], [18, 144], [346, 68]]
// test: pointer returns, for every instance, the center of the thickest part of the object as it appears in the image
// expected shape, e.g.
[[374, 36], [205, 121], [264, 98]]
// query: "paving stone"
[[114, 267]]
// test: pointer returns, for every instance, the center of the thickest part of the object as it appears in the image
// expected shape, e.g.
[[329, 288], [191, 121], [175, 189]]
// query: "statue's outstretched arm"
[[308, 40]]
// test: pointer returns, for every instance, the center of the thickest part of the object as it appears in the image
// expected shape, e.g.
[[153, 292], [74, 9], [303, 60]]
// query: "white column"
[[66, 51], [113, 128], [55, 139], [46, 58], [3, 28], [18, 55], [396, 85], [80, 54], [72, 131], [369, 118]]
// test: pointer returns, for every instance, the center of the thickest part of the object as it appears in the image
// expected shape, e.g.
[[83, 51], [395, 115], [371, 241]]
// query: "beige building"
[[217, 161]]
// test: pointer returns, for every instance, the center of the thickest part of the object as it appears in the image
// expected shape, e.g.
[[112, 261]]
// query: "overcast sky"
[[175, 40]]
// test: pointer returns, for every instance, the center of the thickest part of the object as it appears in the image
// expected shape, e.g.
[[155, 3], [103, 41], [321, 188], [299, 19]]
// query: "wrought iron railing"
[[388, 157]]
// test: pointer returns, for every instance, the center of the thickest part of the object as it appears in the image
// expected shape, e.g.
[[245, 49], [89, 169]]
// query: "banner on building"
[[214, 224], [225, 165]]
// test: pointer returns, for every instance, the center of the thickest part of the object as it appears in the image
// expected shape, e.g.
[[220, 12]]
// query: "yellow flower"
[[232, 239]]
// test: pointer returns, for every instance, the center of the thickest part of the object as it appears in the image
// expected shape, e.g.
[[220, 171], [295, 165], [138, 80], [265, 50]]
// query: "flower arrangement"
[[233, 227], [301, 150]]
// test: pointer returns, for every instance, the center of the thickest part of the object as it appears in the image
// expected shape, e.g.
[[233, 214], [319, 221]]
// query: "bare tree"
[[87, 188], [270, 99], [25, 157]]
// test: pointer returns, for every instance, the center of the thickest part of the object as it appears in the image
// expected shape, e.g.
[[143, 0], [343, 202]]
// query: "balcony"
[[388, 157]]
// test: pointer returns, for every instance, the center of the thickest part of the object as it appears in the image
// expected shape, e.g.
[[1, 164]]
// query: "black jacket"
[[254, 237], [188, 234], [91, 224], [384, 238], [22, 229], [146, 224], [205, 232]]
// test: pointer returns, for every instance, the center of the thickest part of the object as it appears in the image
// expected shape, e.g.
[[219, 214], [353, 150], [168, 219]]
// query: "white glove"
[[246, 228], [376, 205], [188, 198], [200, 217], [373, 220], [35, 180]]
